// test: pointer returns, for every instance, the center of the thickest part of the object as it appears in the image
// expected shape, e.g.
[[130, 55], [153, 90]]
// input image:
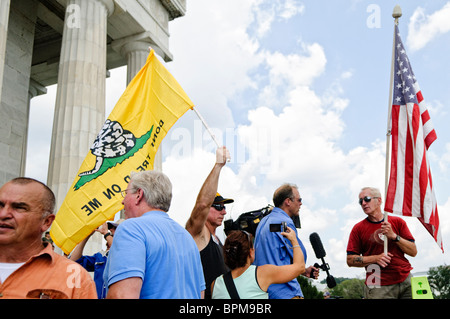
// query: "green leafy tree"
[[337, 279], [439, 280], [349, 289], [309, 291]]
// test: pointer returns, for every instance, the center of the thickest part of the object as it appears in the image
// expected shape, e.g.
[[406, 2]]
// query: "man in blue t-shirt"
[[153, 257], [272, 248]]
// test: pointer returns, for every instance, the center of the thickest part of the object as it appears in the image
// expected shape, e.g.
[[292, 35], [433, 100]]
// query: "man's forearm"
[[360, 261]]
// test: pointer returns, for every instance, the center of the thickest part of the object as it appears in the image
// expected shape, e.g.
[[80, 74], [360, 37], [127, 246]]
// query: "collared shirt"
[[48, 275], [273, 248], [163, 254]]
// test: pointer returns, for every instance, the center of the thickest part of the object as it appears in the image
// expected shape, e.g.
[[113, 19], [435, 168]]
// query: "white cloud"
[[266, 13], [296, 69], [213, 59], [424, 28], [291, 8], [444, 160]]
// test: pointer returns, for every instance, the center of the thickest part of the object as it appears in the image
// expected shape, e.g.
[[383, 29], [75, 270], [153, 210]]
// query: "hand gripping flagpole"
[[397, 13]]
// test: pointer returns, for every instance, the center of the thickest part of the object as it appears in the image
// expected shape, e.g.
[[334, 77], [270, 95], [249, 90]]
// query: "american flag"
[[410, 190]]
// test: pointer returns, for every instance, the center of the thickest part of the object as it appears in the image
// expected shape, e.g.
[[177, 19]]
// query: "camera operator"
[[272, 248]]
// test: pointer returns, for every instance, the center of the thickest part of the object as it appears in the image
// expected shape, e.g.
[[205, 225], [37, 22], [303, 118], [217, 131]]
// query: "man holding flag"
[[387, 276], [409, 189]]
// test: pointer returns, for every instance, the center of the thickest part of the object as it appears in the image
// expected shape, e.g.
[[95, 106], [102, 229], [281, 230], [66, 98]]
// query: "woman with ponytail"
[[252, 281]]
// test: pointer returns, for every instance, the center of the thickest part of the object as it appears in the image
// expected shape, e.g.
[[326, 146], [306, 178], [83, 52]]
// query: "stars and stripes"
[[410, 190]]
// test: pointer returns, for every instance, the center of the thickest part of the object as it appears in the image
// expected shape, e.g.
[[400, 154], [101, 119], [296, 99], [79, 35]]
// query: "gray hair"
[[156, 186], [375, 192]]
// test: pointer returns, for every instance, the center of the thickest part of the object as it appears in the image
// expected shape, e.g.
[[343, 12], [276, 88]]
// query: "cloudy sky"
[[298, 91]]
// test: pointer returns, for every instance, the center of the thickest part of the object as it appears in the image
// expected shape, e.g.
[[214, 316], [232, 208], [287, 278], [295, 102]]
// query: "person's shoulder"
[[359, 225], [60, 261], [363, 222], [393, 218]]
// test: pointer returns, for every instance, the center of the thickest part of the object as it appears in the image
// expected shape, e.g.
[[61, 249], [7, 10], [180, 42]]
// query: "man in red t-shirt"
[[387, 276]]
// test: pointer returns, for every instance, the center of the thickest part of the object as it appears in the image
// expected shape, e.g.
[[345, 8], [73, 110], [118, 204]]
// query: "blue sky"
[[298, 91]]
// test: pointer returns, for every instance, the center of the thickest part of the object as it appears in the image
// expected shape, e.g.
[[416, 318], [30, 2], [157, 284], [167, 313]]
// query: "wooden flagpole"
[[397, 13]]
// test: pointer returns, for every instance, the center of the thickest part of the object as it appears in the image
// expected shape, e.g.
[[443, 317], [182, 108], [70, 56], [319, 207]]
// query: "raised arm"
[[205, 198], [78, 251]]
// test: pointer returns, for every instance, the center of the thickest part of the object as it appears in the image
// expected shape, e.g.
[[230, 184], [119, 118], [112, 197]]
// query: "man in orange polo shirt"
[[28, 267]]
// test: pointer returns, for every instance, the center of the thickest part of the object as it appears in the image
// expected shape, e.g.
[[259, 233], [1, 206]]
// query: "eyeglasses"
[[367, 199], [218, 207], [299, 199], [123, 193]]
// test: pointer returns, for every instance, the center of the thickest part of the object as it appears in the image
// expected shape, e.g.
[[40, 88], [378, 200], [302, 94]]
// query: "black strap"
[[229, 283]]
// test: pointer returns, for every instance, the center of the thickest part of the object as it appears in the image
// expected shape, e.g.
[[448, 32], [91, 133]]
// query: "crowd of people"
[[150, 256]]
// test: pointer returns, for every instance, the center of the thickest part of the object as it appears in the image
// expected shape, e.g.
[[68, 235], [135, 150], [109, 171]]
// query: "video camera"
[[249, 221]]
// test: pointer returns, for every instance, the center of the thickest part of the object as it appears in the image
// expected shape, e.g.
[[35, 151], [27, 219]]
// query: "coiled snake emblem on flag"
[[112, 146], [112, 141]]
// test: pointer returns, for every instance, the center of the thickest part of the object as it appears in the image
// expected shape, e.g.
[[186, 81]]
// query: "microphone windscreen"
[[331, 282], [316, 244]]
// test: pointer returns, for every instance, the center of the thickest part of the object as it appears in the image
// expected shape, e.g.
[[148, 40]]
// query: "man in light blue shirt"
[[273, 248], [152, 257]]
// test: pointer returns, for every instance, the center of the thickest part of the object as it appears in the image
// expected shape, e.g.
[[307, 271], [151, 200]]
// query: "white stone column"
[[80, 98], [4, 17], [15, 81]]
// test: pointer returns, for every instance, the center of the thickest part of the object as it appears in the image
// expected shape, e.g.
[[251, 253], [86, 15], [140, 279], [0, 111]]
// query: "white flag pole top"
[[397, 13], [206, 126]]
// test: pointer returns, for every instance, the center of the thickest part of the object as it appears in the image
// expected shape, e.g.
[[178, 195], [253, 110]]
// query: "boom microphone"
[[316, 244]]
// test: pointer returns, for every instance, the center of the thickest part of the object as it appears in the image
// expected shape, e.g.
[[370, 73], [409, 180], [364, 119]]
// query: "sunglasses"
[[367, 199], [249, 237], [218, 207]]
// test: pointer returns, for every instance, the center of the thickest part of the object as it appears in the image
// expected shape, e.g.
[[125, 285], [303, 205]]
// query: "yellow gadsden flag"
[[128, 141]]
